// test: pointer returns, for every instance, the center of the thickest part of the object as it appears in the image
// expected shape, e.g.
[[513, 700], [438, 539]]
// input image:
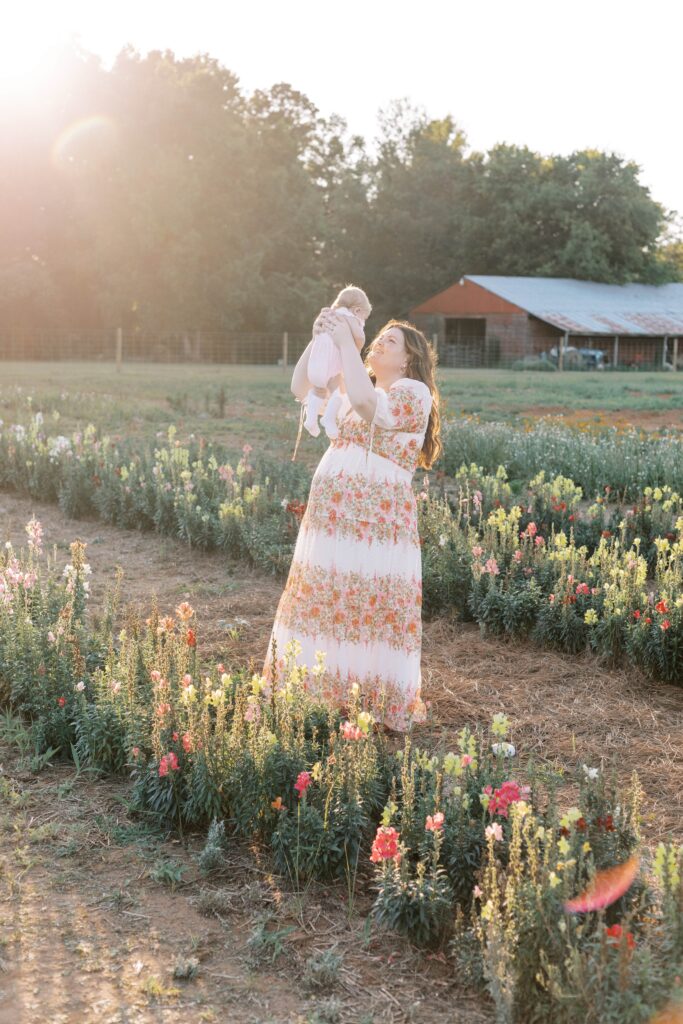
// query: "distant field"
[[241, 404]]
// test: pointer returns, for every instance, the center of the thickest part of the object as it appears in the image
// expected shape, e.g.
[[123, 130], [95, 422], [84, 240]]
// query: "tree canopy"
[[159, 194]]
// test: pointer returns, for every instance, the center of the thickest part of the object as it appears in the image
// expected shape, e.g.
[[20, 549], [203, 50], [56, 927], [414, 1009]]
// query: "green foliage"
[[137, 244]]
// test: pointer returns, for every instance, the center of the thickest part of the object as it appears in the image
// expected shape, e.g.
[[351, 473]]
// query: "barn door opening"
[[465, 341]]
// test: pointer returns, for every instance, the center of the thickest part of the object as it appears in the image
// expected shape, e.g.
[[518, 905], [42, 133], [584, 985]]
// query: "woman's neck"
[[384, 381]]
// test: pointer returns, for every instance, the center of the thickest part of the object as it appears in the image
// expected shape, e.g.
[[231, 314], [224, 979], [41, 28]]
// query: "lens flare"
[[87, 139], [606, 888]]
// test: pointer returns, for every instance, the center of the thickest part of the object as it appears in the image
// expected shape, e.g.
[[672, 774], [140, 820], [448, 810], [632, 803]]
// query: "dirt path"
[[86, 934]]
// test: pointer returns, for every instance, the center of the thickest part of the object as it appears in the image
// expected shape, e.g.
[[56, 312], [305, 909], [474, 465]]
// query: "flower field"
[[537, 881], [554, 909], [540, 558]]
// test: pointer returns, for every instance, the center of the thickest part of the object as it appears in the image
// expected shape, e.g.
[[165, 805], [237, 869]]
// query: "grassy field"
[[236, 405]]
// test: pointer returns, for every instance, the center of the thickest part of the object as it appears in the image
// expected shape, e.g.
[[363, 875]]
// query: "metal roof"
[[589, 307]]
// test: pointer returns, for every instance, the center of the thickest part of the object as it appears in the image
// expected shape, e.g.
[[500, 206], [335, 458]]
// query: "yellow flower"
[[554, 880], [591, 617], [586, 847], [365, 721], [501, 725], [563, 846]]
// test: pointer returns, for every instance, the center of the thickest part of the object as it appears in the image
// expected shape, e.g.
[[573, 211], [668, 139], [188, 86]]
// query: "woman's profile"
[[354, 589]]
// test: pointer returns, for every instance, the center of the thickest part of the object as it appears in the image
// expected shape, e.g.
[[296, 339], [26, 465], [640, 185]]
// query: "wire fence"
[[481, 351]]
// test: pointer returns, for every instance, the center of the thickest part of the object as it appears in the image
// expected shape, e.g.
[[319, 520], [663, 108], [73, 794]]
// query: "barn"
[[499, 321]]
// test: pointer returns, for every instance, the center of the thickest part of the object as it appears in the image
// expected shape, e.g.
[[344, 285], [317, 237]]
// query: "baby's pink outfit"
[[324, 360]]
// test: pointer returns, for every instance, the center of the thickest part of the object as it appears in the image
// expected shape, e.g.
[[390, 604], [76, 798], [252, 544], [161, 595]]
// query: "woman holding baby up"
[[354, 589]]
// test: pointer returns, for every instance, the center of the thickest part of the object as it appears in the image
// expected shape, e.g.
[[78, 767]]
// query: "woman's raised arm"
[[300, 383]]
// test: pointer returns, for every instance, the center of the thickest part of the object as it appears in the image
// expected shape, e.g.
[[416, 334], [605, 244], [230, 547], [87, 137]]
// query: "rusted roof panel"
[[590, 307]]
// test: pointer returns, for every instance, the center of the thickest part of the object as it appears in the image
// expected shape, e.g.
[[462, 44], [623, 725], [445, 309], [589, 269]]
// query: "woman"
[[355, 585]]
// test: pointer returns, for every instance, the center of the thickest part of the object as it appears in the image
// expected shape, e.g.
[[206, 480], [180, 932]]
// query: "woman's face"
[[387, 354]]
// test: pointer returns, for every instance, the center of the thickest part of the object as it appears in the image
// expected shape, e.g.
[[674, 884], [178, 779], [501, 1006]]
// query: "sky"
[[553, 76]]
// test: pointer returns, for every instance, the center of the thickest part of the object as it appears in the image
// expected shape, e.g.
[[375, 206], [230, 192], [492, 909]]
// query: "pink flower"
[[175, 737], [509, 793], [385, 845], [247, 448], [187, 743], [434, 824], [169, 762], [253, 713], [61, 701], [531, 530], [466, 759], [155, 675], [518, 556], [303, 781], [163, 709], [135, 752], [583, 588], [187, 679], [492, 567], [477, 893], [350, 731], [539, 542], [494, 831], [477, 551]]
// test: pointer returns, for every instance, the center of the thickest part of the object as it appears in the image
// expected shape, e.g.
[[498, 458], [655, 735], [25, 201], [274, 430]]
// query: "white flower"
[[506, 749], [80, 686], [590, 773], [443, 540]]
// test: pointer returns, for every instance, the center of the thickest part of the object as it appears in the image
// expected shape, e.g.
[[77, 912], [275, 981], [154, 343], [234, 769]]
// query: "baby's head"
[[355, 300]]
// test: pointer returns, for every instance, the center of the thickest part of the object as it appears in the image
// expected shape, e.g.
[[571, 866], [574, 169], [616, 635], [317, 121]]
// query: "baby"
[[324, 362]]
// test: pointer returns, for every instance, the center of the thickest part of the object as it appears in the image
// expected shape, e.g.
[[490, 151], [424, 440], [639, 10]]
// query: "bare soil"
[[86, 934]]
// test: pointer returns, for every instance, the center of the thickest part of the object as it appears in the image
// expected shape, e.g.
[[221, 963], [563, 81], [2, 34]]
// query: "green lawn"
[[242, 404]]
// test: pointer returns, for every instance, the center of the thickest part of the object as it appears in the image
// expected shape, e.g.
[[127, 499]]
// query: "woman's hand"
[[337, 327], [322, 319]]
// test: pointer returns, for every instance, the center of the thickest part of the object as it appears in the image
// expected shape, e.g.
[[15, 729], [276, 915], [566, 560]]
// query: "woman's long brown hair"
[[421, 365]]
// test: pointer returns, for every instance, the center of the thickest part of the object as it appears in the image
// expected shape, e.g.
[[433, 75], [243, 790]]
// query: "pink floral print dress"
[[354, 589]]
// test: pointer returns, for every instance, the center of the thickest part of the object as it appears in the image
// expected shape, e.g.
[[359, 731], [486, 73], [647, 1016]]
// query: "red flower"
[[509, 793], [636, 614], [169, 762], [662, 607], [665, 625], [648, 620], [615, 935], [303, 781], [385, 846], [61, 701], [191, 638], [606, 533]]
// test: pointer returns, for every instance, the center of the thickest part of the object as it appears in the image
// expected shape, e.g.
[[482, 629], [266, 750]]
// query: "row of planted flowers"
[[567, 576], [540, 561], [554, 909]]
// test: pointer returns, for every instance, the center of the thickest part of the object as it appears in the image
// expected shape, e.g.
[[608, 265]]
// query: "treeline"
[[158, 194]]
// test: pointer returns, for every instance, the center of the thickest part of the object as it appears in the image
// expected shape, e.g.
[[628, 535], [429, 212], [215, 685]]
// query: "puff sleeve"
[[404, 408]]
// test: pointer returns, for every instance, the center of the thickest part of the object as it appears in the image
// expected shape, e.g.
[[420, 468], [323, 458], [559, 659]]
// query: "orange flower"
[[184, 611], [191, 638], [277, 804]]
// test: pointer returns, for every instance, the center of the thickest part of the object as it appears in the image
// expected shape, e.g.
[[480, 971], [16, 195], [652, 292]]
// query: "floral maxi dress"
[[354, 589]]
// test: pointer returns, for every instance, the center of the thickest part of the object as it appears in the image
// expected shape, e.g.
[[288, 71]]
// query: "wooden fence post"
[[435, 344], [675, 353], [615, 354], [119, 348], [285, 350], [560, 354], [665, 346]]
